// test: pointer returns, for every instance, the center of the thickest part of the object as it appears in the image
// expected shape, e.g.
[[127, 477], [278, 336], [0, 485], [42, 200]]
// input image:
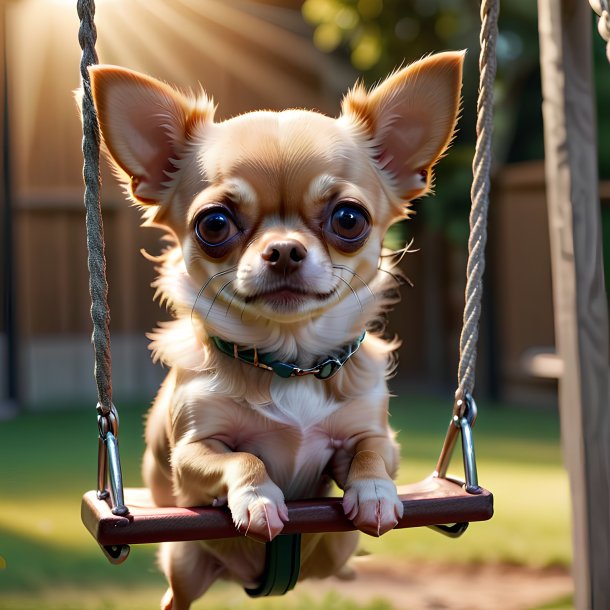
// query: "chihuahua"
[[278, 281]]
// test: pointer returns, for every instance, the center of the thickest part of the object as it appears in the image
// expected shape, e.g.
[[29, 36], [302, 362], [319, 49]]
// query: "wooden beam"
[[580, 304]]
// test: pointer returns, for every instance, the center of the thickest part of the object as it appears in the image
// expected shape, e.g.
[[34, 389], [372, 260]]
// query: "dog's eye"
[[213, 228], [350, 222]]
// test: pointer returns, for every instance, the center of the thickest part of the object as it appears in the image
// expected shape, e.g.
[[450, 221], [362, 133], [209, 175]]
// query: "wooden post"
[[580, 304]]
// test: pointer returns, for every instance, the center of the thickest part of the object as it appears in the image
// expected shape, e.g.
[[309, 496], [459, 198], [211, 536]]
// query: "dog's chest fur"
[[293, 433]]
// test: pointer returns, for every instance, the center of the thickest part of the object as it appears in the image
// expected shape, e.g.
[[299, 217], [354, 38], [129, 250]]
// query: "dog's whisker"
[[217, 295], [207, 283], [400, 253], [400, 280], [403, 253], [230, 303], [352, 289], [354, 274], [406, 249]]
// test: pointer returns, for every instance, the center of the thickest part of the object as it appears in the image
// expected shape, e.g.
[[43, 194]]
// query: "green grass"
[[220, 598], [519, 460], [565, 603], [49, 459]]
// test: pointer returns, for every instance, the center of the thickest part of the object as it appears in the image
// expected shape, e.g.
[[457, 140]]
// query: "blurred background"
[[250, 55], [271, 54]]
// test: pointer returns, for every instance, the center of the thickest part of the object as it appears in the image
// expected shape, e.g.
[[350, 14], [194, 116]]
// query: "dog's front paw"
[[259, 511], [372, 505]]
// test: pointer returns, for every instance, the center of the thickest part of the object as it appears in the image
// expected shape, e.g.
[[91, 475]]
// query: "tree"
[[376, 36]]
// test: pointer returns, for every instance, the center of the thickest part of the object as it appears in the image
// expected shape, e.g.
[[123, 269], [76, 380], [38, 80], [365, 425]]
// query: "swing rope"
[[479, 193], [96, 260]]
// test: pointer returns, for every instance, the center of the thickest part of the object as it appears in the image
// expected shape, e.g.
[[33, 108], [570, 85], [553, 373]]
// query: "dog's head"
[[279, 216]]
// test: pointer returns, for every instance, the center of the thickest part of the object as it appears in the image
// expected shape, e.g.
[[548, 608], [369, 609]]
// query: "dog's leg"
[[157, 479], [210, 473], [189, 570], [370, 498], [156, 468], [324, 555]]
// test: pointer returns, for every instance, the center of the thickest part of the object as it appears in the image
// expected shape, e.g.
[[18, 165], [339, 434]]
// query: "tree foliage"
[[376, 36]]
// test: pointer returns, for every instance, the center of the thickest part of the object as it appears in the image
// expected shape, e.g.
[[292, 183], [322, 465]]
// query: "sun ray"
[[266, 82], [264, 34], [124, 44], [239, 50]]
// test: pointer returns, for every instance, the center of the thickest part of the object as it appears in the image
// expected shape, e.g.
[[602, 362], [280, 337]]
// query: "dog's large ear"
[[146, 125], [409, 119]]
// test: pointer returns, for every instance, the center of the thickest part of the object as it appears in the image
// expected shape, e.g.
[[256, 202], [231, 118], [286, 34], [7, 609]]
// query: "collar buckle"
[[328, 368]]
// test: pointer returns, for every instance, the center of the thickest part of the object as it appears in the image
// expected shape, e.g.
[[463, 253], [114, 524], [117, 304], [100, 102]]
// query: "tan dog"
[[277, 222]]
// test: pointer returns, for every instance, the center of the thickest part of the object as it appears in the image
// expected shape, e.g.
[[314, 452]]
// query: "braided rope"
[[96, 261], [480, 197]]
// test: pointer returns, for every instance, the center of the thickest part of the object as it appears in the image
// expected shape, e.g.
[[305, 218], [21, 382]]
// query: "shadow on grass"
[[31, 565], [39, 575]]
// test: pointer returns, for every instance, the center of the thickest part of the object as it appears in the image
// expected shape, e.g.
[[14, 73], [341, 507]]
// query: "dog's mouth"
[[285, 297]]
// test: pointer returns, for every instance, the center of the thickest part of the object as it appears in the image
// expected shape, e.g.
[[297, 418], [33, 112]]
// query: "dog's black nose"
[[284, 256]]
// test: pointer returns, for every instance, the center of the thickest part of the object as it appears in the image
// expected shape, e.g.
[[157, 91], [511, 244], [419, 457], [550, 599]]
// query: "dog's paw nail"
[[373, 505], [259, 512], [350, 505], [219, 502], [351, 515], [282, 510]]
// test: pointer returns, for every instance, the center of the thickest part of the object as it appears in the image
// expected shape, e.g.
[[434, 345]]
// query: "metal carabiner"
[[109, 460], [464, 417], [465, 423], [116, 476]]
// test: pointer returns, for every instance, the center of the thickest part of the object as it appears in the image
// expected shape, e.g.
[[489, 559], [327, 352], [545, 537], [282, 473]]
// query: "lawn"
[[49, 460]]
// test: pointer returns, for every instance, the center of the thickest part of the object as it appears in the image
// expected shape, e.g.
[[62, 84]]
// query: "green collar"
[[323, 370]]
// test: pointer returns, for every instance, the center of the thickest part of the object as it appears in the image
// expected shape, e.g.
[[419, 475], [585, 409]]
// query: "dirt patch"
[[424, 586]]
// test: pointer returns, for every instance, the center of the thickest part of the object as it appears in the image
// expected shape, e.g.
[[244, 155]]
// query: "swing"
[[118, 517]]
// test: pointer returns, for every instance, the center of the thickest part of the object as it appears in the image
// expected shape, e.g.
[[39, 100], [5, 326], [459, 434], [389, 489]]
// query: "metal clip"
[[451, 531], [116, 554], [465, 423], [464, 417], [109, 460], [116, 476]]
